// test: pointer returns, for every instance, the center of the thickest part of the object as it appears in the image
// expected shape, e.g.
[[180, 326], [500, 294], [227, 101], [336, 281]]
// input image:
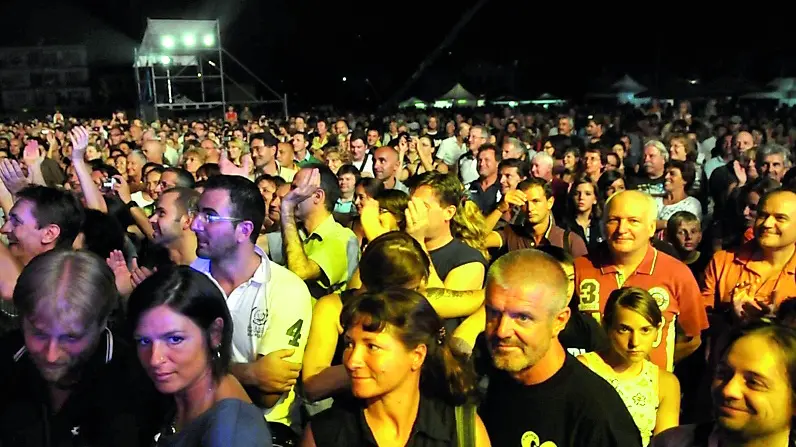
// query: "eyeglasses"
[[210, 218]]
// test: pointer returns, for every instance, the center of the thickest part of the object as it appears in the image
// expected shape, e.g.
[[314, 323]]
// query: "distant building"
[[44, 77]]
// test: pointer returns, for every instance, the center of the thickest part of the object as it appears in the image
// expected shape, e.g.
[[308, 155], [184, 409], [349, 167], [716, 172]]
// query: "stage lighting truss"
[[175, 56]]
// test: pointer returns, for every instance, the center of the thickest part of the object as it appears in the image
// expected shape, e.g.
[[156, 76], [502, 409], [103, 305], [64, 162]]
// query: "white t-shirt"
[[270, 311]]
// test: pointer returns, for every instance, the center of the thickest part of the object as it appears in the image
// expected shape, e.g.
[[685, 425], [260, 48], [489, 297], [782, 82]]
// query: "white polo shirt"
[[270, 311]]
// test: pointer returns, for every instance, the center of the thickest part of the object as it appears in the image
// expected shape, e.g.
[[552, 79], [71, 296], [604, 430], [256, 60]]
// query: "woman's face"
[[585, 197], [267, 190], [333, 161], [121, 165], [359, 198], [377, 362], [570, 161], [234, 152], [750, 208], [617, 186], [192, 163], [172, 349], [677, 150], [631, 335], [619, 150], [674, 180]]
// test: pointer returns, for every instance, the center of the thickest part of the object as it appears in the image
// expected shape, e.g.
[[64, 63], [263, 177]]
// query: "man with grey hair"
[[514, 148], [651, 177], [467, 163], [773, 161], [531, 369], [542, 167], [629, 260]]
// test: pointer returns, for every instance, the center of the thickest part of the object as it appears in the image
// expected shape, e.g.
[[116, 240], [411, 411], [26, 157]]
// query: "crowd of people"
[[512, 277]]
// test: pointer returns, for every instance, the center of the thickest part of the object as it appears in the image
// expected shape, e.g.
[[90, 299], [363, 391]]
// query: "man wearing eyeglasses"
[[270, 306]]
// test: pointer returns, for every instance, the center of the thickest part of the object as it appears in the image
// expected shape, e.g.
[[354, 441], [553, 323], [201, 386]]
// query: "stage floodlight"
[[165, 60], [209, 40], [167, 42], [189, 40]]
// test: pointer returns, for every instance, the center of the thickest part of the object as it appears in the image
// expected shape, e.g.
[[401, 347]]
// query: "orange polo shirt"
[[667, 279], [729, 268]]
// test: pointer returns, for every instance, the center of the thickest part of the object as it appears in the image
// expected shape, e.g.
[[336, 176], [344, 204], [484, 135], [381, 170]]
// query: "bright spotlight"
[[345, 78], [189, 40], [167, 42], [209, 40], [165, 60]]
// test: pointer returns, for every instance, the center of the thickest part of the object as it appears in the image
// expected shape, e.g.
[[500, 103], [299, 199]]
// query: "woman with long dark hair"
[[406, 379]]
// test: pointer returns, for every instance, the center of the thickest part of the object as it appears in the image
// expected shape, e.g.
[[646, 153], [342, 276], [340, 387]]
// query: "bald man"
[[386, 168], [154, 150], [629, 260], [531, 370]]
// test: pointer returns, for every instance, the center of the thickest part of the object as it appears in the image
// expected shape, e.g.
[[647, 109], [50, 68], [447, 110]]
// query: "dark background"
[[519, 47]]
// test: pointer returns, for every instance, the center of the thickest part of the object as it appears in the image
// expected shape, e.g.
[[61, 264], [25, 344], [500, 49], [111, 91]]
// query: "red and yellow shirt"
[[667, 279]]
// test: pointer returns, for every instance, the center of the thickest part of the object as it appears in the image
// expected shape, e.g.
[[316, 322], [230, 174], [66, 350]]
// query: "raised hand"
[[79, 137]]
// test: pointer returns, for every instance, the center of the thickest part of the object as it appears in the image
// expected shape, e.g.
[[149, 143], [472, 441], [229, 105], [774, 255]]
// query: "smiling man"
[[629, 260]]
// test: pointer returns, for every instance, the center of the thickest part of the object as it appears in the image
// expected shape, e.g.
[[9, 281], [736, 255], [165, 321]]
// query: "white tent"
[[412, 102], [457, 93], [458, 96], [624, 90], [781, 89]]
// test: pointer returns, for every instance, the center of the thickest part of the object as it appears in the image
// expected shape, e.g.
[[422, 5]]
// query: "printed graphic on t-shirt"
[[531, 439], [258, 320], [589, 296], [661, 296]]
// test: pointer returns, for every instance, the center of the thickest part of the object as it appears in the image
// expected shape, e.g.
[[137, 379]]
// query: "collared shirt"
[[365, 165], [486, 199], [728, 268], [345, 425], [335, 249], [667, 279], [114, 403], [270, 311], [450, 151], [516, 237], [399, 186], [308, 160]]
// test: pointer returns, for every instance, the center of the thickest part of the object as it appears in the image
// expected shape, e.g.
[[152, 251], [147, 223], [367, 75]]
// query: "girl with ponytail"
[[406, 379]]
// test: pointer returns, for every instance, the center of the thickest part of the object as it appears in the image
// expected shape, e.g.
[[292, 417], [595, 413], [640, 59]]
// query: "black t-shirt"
[[113, 404], [345, 425], [454, 254], [582, 334], [653, 187], [574, 408]]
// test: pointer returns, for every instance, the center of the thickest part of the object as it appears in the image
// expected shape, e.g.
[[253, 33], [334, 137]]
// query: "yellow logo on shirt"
[[589, 295], [661, 296], [531, 439]]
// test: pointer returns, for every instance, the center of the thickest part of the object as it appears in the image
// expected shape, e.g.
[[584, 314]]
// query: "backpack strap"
[[465, 425]]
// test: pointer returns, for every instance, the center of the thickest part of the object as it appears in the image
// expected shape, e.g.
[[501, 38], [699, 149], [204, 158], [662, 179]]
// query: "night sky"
[[305, 48]]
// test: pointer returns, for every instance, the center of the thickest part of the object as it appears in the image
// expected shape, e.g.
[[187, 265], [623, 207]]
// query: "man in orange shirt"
[[756, 277], [629, 260]]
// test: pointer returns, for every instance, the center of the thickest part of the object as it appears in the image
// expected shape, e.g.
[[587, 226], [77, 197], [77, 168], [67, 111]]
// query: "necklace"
[[172, 427]]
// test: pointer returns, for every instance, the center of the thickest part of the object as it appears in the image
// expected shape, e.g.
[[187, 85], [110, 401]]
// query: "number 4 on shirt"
[[294, 332]]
